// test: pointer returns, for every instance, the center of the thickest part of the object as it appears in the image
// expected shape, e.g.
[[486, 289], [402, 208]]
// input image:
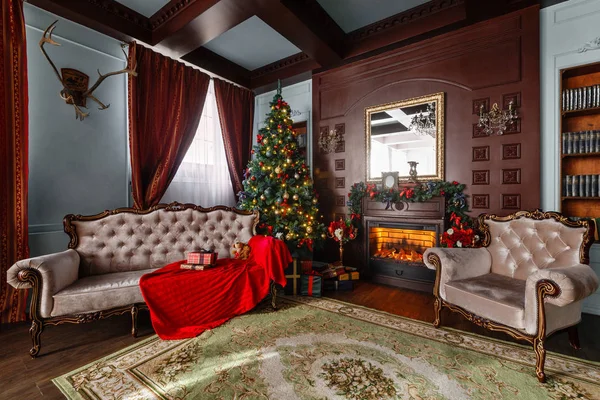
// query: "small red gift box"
[[333, 272], [202, 257]]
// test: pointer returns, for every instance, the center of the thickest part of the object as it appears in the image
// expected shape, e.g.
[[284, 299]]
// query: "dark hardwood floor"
[[67, 347]]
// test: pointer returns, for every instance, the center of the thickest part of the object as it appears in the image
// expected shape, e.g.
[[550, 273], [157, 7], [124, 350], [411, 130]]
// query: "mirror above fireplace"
[[408, 130]]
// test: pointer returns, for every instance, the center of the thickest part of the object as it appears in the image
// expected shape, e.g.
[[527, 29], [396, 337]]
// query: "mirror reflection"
[[411, 130]]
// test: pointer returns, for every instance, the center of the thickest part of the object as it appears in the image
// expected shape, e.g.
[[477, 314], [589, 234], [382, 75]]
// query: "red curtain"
[[236, 113], [13, 155], [165, 104]]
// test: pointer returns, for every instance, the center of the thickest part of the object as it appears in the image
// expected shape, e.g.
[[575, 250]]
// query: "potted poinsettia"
[[460, 234]]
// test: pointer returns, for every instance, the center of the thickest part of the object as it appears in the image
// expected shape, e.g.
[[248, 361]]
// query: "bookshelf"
[[580, 123]]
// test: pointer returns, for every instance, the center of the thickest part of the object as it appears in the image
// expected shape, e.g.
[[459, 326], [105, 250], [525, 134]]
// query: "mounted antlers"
[[75, 83]]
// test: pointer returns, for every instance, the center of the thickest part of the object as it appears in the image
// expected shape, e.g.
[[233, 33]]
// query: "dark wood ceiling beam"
[[211, 61], [213, 22], [282, 69], [175, 15], [419, 20], [290, 26], [106, 16]]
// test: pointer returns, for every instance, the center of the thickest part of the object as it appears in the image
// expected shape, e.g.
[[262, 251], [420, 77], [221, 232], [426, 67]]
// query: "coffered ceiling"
[[256, 42]]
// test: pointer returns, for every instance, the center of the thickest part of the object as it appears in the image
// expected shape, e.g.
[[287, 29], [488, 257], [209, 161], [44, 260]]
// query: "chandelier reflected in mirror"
[[496, 120], [423, 123]]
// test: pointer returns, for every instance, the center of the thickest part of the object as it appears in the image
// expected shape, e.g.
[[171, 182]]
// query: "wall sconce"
[[496, 119], [328, 141]]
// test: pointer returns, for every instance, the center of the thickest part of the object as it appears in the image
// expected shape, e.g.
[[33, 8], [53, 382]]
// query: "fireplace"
[[396, 236]]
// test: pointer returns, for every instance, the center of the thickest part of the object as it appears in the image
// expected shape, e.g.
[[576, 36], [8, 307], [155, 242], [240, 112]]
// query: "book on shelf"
[[564, 143], [570, 139], [594, 186], [196, 267], [575, 186], [567, 186], [588, 185], [581, 185], [597, 142], [581, 98]]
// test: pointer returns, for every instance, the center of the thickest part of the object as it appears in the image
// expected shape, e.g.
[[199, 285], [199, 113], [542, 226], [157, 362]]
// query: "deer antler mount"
[[75, 83]]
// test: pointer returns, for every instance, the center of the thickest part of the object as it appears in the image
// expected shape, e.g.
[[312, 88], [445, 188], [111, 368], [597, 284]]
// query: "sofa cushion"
[[491, 296], [99, 292], [129, 241]]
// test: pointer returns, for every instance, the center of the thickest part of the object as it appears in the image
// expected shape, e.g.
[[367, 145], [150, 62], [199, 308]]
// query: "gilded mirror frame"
[[438, 98]]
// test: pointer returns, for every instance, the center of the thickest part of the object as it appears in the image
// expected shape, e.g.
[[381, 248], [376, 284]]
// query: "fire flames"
[[400, 255]]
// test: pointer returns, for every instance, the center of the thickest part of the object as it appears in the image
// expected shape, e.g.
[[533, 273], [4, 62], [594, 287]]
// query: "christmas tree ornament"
[[288, 160], [277, 170], [286, 195], [296, 176], [295, 197], [263, 197]]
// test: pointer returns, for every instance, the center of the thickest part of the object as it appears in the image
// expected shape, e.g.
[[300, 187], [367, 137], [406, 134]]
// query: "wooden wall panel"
[[496, 60]]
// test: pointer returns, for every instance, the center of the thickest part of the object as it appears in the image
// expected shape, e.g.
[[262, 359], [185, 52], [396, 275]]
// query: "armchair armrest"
[[47, 275], [575, 283], [453, 264]]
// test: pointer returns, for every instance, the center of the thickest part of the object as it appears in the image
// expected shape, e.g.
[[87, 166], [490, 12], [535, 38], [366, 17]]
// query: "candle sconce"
[[496, 120]]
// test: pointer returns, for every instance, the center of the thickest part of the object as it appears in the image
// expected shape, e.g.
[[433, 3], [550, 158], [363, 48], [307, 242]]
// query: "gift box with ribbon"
[[350, 275], [312, 285], [202, 257], [332, 272], [292, 274]]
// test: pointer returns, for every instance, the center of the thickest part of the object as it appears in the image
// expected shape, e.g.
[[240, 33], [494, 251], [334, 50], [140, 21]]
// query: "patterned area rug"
[[326, 349]]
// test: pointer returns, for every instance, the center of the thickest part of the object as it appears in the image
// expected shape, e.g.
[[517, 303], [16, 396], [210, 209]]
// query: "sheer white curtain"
[[203, 176]]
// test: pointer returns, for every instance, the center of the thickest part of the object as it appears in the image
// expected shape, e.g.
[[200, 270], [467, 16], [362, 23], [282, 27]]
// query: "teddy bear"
[[240, 251]]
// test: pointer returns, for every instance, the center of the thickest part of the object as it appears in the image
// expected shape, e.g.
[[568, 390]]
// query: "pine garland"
[[453, 192]]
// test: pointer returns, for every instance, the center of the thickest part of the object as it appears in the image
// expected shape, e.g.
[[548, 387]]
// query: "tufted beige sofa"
[[528, 280], [98, 275]]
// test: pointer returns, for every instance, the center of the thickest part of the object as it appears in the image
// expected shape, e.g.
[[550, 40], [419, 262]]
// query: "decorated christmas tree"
[[277, 183]]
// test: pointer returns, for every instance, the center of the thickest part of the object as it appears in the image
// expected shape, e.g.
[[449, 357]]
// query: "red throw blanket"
[[185, 303]]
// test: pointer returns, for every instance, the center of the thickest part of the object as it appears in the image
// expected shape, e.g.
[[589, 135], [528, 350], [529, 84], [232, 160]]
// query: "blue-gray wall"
[[74, 166]]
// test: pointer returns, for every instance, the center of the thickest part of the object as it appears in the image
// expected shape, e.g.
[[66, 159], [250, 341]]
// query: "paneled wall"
[[567, 32], [490, 62], [74, 166]]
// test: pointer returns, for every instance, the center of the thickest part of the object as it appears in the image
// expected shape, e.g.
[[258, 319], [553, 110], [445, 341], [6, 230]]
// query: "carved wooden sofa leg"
[[37, 326], [274, 295], [574, 337], [540, 359], [134, 315]]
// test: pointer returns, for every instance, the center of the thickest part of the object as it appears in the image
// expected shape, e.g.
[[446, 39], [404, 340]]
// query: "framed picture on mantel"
[[389, 180]]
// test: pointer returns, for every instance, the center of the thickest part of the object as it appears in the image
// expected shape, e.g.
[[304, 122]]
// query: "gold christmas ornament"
[[262, 197], [309, 229], [277, 170], [295, 197], [286, 195]]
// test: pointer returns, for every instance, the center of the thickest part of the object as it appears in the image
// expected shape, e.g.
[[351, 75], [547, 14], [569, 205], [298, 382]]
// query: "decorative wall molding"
[[477, 103], [403, 18], [593, 44], [511, 201], [169, 11], [481, 201], [123, 12], [481, 177], [511, 151], [340, 164], [340, 200], [278, 65], [481, 153], [511, 176], [340, 182]]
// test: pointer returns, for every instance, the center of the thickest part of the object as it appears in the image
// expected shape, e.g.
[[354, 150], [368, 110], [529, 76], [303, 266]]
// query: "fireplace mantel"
[[395, 237]]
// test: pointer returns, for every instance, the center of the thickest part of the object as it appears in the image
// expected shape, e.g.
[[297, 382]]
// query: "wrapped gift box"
[[312, 285], [349, 275], [307, 266], [332, 272], [292, 275], [335, 285], [203, 257]]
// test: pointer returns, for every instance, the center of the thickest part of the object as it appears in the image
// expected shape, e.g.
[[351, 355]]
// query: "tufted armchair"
[[98, 276], [528, 279]]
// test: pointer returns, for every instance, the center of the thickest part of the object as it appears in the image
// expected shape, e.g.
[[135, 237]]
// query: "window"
[[203, 176]]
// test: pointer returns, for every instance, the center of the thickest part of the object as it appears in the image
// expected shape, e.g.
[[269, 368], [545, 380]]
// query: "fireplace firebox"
[[396, 236]]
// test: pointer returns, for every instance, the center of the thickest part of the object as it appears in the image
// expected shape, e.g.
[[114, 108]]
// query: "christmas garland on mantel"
[[453, 192]]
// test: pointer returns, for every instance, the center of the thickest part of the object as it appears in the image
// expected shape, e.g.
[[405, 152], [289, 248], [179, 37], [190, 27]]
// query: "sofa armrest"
[[453, 264], [574, 283], [54, 272]]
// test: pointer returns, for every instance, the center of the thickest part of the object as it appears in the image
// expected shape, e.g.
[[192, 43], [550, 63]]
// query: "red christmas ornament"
[[261, 163], [252, 152], [275, 147], [278, 126], [253, 178], [259, 138]]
